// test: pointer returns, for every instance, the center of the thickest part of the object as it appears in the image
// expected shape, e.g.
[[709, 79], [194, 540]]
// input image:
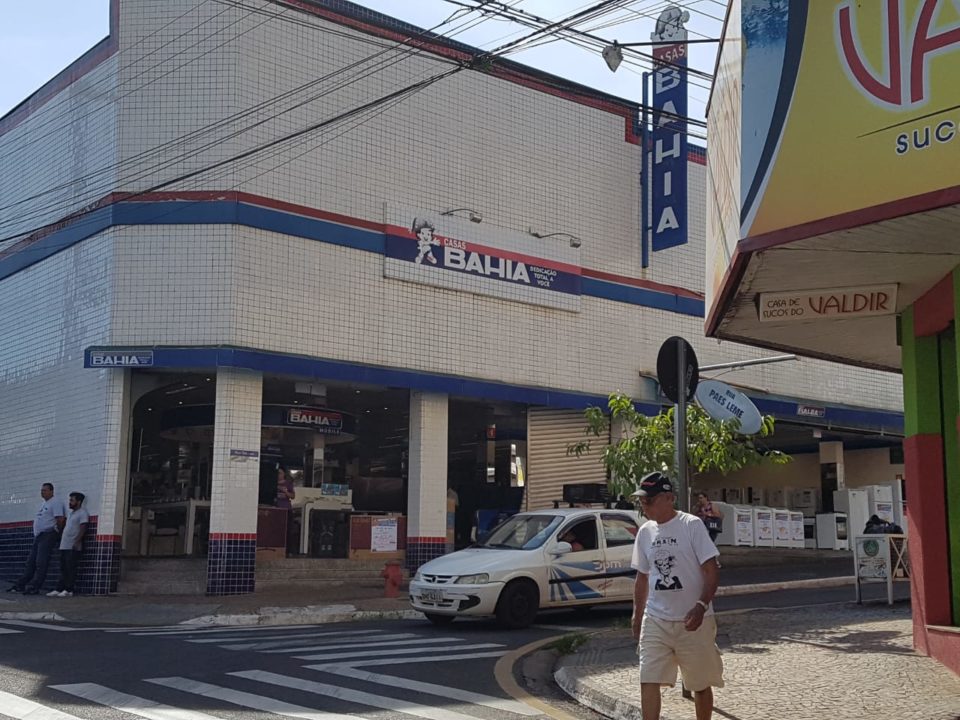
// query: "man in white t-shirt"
[[49, 519], [673, 621], [71, 545]]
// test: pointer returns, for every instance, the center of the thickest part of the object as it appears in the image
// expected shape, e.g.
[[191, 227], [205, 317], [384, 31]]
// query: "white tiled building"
[[151, 212]]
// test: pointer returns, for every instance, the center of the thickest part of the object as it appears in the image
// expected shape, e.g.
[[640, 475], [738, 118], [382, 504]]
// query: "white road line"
[[408, 660], [212, 631], [8, 631], [296, 635], [369, 642], [248, 700], [130, 703], [443, 691], [39, 626], [354, 696], [403, 651], [22, 709], [562, 628]]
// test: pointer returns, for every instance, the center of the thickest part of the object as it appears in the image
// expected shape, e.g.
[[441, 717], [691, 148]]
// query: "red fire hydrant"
[[393, 576]]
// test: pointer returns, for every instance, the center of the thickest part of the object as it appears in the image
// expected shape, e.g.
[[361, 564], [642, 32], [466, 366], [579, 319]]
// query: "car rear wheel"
[[440, 619], [518, 604]]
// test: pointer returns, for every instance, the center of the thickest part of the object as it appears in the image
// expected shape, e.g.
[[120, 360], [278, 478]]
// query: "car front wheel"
[[518, 604]]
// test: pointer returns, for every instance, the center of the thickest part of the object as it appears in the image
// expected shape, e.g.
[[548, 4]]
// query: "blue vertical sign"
[[668, 146]]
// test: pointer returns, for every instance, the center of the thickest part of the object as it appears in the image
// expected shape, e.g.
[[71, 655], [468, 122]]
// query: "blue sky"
[[40, 39]]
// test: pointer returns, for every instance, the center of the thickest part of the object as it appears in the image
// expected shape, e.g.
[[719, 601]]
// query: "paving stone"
[[842, 662]]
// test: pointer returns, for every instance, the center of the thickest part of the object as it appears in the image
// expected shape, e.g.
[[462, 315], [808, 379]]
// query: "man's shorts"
[[667, 644]]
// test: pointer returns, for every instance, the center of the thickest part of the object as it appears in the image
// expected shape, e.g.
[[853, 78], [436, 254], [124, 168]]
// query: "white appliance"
[[729, 527], [832, 531], [742, 524], [853, 503], [733, 496], [880, 502], [762, 526], [781, 497], [782, 532], [758, 496], [796, 529], [807, 501], [809, 532]]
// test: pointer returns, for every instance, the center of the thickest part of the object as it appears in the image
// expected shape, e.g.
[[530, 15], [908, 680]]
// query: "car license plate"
[[433, 596]]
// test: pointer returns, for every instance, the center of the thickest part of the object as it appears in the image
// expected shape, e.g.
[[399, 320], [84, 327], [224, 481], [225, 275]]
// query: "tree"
[[647, 443]]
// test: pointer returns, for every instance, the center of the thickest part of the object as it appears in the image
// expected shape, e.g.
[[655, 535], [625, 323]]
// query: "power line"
[[183, 140]]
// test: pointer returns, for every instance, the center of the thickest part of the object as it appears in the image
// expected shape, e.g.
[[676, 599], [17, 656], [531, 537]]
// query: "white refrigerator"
[[853, 503], [880, 502]]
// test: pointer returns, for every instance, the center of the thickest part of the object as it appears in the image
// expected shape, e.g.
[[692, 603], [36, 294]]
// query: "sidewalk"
[[840, 662], [339, 603]]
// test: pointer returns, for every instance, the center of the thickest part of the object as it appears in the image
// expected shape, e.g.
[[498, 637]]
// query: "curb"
[[302, 616], [730, 590], [595, 700]]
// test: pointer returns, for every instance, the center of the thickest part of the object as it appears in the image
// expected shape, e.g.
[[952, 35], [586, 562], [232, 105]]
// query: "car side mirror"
[[561, 548]]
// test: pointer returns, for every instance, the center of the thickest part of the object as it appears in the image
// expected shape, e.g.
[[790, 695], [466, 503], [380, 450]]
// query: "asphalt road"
[[382, 670]]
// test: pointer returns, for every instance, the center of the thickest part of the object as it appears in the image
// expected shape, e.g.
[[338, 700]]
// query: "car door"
[[619, 534], [576, 578]]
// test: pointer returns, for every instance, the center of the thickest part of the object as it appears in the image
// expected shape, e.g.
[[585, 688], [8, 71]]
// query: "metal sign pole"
[[680, 428]]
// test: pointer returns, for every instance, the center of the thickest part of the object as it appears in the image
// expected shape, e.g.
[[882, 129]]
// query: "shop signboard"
[[887, 138], [668, 152], [828, 304], [119, 358], [383, 535], [324, 422], [452, 253], [722, 402], [873, 558]]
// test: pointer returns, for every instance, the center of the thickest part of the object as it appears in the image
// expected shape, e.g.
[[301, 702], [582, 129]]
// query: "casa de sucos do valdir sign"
[[829, 304], [722, 402]]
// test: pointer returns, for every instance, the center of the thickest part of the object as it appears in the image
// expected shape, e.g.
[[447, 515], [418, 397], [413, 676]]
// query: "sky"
[[39, 39]]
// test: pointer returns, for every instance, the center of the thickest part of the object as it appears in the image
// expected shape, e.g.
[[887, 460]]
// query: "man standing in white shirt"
[[672, 616], [50, 518], [71, 545]]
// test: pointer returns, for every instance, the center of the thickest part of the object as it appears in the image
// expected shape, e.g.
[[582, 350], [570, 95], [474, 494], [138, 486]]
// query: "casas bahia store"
[[406, 307]]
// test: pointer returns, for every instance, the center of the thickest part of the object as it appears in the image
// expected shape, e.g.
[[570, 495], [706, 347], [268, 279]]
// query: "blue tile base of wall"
[[231, 566], [421, 551], [99, 565]]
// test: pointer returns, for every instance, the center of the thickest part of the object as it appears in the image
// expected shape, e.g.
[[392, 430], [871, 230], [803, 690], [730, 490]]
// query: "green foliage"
[[568, 644], [647, 443]]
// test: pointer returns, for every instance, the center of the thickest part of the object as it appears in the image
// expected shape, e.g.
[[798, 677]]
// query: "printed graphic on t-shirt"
[[664, 561]]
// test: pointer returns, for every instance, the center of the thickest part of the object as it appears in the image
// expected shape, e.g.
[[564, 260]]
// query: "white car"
[[537, 559]]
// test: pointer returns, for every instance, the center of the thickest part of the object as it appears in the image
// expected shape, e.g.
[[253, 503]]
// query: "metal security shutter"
[[549, 468]]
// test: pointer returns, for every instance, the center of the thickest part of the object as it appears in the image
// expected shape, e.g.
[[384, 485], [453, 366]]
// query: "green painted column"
[[921, 381]]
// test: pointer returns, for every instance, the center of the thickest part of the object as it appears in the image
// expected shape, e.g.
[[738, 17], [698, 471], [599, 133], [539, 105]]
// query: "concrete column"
[[100, 566], [235, 475], [427, 484]]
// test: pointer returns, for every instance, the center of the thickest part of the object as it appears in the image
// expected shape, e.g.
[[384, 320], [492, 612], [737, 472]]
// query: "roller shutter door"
[[549, 468]]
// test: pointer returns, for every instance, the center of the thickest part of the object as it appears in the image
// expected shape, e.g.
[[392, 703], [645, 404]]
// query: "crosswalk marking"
[[355, 696], [377, 642], [248, 700], [130, 703], [22, 709], [288, 635], [443, 691], [402, 651], [37, 625], [408, 660]]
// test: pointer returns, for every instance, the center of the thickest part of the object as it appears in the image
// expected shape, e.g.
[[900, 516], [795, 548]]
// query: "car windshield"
[[522, 532]]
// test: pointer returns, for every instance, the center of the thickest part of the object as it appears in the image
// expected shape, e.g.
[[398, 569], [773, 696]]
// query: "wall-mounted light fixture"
[[574, 240], [473, 215]]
